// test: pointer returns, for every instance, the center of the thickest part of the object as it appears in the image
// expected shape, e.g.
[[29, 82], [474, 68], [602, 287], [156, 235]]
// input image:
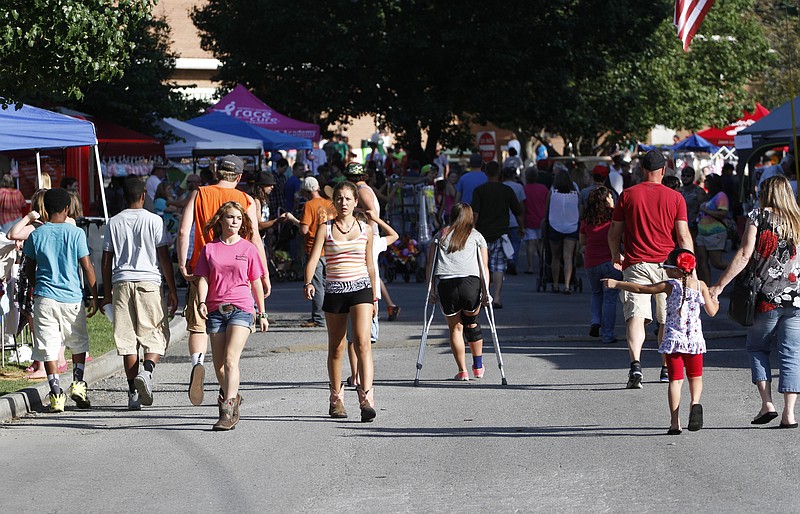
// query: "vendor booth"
[[773, 130], [31, 128], [271, 140], [244, 105]]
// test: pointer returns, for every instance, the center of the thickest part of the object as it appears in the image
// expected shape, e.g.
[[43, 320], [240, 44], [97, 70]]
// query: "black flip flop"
[[789, 425], [674, 431], [764, 418], [695, 418]]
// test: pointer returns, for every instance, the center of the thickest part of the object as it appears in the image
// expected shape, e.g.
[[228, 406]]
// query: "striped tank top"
[[346, 262]]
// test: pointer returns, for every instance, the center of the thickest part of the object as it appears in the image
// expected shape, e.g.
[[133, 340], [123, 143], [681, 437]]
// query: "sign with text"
[[487, 145]]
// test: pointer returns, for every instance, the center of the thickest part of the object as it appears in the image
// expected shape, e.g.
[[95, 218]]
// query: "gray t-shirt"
[[463, 263], [133, 236]]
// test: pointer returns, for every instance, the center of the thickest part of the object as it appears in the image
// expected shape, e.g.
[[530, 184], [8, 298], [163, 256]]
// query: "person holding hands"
[[683, 343]]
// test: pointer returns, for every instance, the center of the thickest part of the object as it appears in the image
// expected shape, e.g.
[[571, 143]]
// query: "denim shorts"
[[218, 322]]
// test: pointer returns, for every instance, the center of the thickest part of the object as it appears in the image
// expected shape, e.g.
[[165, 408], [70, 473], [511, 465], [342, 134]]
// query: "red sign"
[[487, 145]]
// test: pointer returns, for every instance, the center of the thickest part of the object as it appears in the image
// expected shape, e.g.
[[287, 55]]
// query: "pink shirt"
[[229, 270], [535, 201]]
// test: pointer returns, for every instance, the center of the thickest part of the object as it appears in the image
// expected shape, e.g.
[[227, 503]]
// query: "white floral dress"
[[683, 331]]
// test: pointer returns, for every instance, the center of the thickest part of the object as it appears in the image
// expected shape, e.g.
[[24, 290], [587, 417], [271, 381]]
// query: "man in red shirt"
[[649, 219]]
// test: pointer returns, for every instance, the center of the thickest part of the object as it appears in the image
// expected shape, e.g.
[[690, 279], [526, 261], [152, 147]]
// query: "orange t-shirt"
[[315, 212], [206, 204]]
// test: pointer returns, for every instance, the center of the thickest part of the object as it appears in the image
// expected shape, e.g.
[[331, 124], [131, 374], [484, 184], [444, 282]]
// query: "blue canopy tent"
[[221, 122], [32, 128], [694, 143]]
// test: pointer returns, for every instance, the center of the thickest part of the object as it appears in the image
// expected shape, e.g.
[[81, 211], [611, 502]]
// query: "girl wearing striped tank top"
[[349, 291]]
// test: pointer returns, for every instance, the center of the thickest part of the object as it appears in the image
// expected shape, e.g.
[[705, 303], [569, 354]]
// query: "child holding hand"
[[683, 342]]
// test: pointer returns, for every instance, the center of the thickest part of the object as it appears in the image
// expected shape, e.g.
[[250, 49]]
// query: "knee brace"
[[472, 334]]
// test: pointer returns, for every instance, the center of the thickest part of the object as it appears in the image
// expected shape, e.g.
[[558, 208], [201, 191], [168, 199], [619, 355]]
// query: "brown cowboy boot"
[[367, 403], [336, 408], [226, 419]]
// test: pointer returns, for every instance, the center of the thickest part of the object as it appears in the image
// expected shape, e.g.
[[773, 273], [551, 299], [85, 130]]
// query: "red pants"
[[677, 361]]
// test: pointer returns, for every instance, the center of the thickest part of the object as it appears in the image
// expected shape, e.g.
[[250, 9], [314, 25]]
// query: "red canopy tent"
[[724, 136], [244, 105], [115, 141]]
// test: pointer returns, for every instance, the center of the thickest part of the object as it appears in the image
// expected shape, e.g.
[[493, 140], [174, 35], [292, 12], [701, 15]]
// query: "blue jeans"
[[603, 306], [218, 322], [783, 324], [318, 281]]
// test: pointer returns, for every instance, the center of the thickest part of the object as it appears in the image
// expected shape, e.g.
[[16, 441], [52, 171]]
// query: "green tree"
[[144, 93], [781, 22], [589, 70], [56, 48]]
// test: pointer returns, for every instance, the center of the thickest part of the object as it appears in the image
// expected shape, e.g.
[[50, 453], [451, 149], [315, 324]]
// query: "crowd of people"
[[640, 233]]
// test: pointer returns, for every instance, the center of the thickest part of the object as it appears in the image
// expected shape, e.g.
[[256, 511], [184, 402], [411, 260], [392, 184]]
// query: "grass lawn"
[[12, 377]]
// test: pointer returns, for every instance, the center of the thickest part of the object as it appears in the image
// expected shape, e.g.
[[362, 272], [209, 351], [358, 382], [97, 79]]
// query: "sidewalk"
[[28, 400]]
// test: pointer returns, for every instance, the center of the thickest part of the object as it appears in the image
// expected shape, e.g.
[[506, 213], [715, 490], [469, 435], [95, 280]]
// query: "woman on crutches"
[[349, 292], [460, 292]]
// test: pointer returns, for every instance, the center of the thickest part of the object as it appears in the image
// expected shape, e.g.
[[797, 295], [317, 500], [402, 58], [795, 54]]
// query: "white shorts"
[[54, 322], [532, 234]]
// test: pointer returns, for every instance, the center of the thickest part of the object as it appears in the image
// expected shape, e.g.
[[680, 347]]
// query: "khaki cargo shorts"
[[194, 323], [639, 305], [54, 322], [140, 318]]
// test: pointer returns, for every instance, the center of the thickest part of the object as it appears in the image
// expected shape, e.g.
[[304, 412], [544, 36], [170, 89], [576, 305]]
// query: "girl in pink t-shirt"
[[229, 275]]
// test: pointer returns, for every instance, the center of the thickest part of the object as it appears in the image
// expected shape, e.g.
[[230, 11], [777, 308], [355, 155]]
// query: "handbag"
[[742, 308]]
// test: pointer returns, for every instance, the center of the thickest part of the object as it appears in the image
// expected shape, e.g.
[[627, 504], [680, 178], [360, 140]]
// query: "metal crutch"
[[427, 320], [490, 317]]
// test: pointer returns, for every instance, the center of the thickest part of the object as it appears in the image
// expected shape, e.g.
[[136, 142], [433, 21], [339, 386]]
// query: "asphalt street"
[[564, 435]]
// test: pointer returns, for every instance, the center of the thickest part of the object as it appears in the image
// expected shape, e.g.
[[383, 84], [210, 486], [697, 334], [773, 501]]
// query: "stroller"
[[280, 266], [546, 271], [405, 258]]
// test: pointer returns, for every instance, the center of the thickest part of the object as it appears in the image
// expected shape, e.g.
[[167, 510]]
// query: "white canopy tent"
[[198, 141]]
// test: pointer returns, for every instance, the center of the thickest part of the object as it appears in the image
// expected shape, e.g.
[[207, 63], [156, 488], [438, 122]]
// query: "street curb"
[[26, 401]]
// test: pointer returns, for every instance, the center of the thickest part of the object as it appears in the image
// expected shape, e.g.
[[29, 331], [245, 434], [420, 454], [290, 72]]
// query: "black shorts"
[[556, 236], [340, 303], [459, 294]]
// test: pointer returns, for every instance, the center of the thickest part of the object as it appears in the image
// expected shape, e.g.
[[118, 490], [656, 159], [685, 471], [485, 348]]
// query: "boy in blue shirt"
[[55, 251]]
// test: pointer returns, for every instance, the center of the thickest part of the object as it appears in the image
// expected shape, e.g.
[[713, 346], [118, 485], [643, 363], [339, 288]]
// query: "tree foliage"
[[144, 93], [56, 48], [584, 69], [781, 22]]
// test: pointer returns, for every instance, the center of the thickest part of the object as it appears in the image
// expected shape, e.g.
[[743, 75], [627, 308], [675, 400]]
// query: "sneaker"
[[77, 391], [462, 376], [634, 377], [594, 330], [664, 376], [144, 386], [133, 401], [57, 401], [478, 372], [196, 384], [311, 324], [394, 311]]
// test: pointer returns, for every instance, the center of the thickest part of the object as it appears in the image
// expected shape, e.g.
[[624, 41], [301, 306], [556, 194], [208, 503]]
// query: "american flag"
[[689, 15]]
